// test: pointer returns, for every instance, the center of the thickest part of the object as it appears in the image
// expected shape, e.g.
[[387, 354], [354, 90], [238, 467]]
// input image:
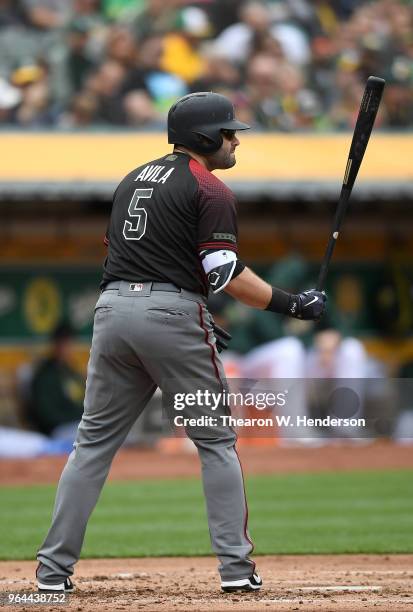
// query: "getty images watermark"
[[290, 407], [267, 401]]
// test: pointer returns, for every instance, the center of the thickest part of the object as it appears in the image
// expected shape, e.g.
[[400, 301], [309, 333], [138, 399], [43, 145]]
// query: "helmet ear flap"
[[208, 145]]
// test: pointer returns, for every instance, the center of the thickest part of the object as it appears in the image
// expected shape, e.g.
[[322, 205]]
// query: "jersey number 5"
[[135, 231]]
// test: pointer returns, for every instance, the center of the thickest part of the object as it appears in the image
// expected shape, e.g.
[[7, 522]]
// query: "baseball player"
[[171, 238]]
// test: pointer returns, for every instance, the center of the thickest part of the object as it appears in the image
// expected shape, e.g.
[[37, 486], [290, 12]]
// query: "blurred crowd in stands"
[[287, 64]]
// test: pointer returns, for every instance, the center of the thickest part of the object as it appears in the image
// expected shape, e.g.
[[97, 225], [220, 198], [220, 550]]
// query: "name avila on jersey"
[[151, 173]]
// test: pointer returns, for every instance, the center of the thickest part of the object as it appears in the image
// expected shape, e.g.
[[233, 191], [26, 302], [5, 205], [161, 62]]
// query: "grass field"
[[360, 512]]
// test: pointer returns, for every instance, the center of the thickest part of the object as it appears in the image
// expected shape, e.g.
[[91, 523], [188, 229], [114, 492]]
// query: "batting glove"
[[308, 305]]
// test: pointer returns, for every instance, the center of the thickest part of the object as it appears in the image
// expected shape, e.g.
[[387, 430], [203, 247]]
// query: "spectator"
[[318, 18], [105, 84], [10, 98], [321, 70], [351, 309], [82, 111], [156, 87], [57, 390], [148, 63], [292, 38], [121, 47], [348, 93], [10, 14], [78, 62], [261, 84], [257, 20], [36, 107], [139, 109], [119, 10], [264, 43], [181, 49], [333, 357], [345, 8], [157, 17], [222, 13], [398, 99], [219, 74], [47, 14], [278, 95], [235, 42], [280, 360], [87, 8]]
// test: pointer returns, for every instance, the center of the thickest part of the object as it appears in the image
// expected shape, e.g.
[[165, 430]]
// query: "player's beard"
[[222, 160]]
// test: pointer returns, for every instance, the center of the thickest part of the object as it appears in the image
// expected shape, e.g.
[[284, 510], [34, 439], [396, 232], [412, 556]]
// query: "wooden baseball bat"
[[365, 121]]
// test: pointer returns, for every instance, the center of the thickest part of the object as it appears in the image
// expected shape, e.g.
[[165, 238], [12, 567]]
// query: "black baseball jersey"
[[167, 215]]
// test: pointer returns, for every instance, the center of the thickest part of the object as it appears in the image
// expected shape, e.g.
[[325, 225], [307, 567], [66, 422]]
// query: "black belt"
[[155, 286]]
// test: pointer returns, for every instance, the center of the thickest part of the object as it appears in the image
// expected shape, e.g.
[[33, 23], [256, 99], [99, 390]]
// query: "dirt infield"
[[175, 463], [322, 582], [359, 582]]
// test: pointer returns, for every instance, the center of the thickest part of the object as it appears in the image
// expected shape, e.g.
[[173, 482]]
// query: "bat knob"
[[375, 82]]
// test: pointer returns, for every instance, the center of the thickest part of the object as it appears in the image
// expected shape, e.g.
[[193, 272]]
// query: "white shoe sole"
[[244, 584], [54, 588]]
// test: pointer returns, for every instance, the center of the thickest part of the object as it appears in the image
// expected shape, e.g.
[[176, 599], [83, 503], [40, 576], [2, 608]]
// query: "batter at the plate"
[[171, 238]]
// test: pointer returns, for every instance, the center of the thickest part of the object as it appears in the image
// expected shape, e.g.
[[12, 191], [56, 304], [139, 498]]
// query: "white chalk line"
[[355, 572], [341, 587], [347, 600]]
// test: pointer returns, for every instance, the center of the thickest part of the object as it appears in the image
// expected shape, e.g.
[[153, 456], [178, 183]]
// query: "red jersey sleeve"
[[217, 216]]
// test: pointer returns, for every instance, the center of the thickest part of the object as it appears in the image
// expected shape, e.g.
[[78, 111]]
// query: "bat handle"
[[324, 266], [321, 278], [340, 212]]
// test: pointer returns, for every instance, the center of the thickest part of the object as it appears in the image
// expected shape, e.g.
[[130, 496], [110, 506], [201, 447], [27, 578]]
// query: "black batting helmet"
[[196, 121]]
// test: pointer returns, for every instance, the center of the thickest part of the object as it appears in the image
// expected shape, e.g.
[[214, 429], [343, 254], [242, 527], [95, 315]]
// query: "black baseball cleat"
[[253, 583], [63, 587]]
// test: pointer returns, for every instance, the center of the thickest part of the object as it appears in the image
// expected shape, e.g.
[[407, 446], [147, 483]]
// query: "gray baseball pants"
[[142, 339]]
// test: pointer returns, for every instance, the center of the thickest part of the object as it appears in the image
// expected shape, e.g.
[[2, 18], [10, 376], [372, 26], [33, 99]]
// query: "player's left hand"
[[308, 305], [221, 336]]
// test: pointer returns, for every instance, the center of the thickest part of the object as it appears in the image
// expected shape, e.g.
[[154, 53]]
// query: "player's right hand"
[[308, 305]]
